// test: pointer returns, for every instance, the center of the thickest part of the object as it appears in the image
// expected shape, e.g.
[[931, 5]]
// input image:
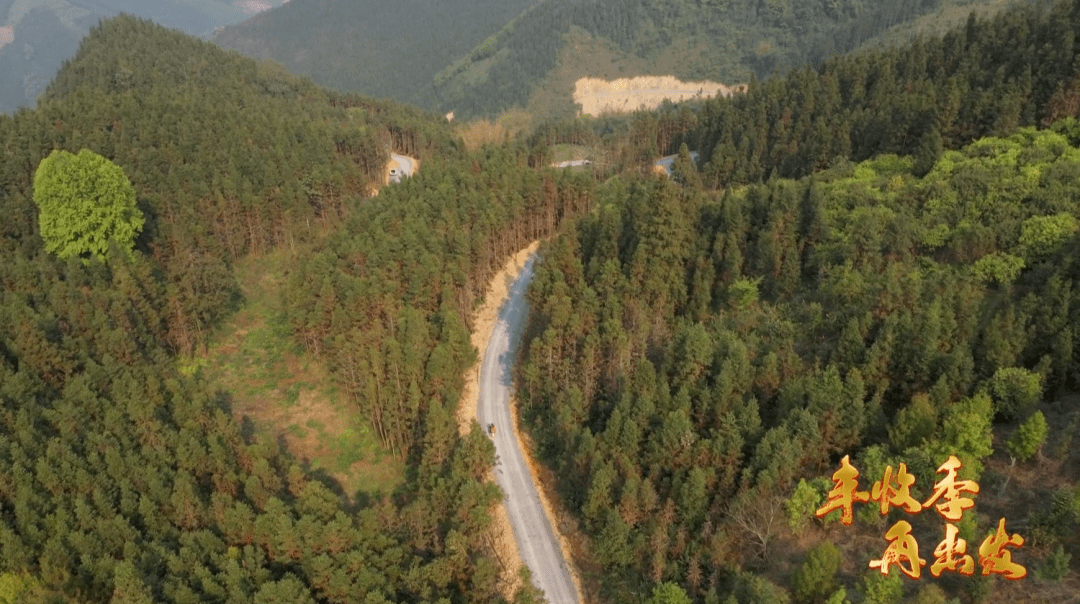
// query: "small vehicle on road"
[[491, 429]]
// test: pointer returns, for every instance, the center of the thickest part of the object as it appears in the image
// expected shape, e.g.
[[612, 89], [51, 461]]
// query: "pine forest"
[[874, 262]]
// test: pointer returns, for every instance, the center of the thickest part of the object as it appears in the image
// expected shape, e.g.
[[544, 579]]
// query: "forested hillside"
[[382, 49], [123, 480], [721, 41], [37, 36], [691, 357], [394, 287], [482, 58], [694, 352], [877, 258], [988, 77]]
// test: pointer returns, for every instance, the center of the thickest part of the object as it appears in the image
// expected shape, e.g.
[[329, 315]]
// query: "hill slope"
[[482, 58], [123, 479], [719, 41], [36, 36], [385, 49]]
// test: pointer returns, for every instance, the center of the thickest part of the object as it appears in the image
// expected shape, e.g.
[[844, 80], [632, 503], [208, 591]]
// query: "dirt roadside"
[[484, 320], [483, 323]]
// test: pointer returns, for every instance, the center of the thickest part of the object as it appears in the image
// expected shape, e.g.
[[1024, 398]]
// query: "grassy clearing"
[[509, 125], [286, 392], [564, 152]]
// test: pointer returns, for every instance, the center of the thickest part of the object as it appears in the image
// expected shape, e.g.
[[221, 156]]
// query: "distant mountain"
[[727, 41], [36, 36], [375, 47], [479, 58]]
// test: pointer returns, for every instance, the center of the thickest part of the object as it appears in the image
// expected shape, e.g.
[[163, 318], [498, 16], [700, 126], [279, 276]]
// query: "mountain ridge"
[[36, 36]]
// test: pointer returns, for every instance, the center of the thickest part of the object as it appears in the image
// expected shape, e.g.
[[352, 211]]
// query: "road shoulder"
[[483, 322]]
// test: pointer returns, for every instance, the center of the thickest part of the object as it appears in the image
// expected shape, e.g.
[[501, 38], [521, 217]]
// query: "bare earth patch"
[[598, 96]]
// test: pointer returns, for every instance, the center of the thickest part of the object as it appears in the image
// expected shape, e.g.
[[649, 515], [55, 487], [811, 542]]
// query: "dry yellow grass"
[[598, 96], [507, 125]]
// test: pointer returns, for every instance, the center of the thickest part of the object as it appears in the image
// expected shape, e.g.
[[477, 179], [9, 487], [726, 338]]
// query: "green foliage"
[[750, 588], [1058, 519], [914, 425], [931, 593], [132, 482], [882, 589], [803, 321], [1068, 127], [1016, 391], [85, 201], [684, 38], [683, 170], [14, 587], [977, 588], [815, 580], [668, 593], [802, 504], [862, 106], [1056, 565], [527, 593], [928, 152], [744, 293], [998, 267], [1028, 438], [128, 587], [1041, 236], [966, 433]]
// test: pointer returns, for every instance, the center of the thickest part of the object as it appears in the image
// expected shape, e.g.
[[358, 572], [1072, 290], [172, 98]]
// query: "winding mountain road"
[[404, 163], [537, 543]]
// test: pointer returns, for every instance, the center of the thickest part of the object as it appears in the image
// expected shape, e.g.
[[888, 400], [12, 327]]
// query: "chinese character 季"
[[993, 558], [902, 548], [844, 494], [949, 489], [951, 554], [899, 496]]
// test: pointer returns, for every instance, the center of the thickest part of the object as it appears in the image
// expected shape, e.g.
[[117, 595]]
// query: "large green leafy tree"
[[85, 200]]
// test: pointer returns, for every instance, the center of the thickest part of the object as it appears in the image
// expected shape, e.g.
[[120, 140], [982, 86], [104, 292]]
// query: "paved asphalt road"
[[532, 531], [404, 163], [668, 161]]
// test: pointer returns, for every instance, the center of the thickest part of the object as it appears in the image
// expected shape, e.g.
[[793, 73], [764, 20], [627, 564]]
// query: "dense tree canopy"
[[85, 201], [124, 480], [695, 363], [690, 356]]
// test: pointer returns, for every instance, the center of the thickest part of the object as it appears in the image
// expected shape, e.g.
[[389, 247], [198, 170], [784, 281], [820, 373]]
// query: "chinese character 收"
[[902, 548], [844, 494], [899, 496], [951, 554], [949, 489], [995, 560]]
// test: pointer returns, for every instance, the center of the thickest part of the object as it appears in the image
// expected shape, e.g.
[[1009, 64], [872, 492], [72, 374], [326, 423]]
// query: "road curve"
[[668, 161], [535, 538], [403, 162]]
